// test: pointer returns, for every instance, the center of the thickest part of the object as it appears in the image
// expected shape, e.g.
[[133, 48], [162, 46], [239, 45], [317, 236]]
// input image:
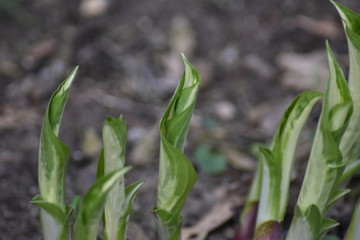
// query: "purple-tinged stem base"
[[270, 230], [247, 222]]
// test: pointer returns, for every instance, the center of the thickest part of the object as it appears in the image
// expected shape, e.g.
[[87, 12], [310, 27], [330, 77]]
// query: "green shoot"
[[272, 178], [351, 139], [119, 199], [53, 157], [91, 207], [326, 164], [278, 163], [176, 174], [114, 140]]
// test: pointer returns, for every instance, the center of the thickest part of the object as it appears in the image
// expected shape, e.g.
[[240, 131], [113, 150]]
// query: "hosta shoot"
[[350, 142], [53, 157], [176, 174], [277, 165], [325, 167], [271, 184], [119, 200]]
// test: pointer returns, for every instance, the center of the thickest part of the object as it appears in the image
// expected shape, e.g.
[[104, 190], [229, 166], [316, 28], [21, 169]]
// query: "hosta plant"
[[333, 160], [108, 200], [176, 174]]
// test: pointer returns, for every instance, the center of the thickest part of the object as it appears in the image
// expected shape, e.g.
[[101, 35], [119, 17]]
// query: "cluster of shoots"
[[107, 205], [333, 160], [108, 202]]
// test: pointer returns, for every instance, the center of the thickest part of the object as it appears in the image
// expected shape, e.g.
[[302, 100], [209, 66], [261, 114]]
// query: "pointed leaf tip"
[[69, 80]]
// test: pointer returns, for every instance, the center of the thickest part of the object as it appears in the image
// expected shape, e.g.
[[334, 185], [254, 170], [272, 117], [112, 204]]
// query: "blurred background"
[[253, 56]]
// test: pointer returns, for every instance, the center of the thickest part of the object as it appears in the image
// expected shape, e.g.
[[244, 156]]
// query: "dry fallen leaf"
[[221, 212], [322, 28], [14, 118], [238, 160], [303, 71], [38, 52]]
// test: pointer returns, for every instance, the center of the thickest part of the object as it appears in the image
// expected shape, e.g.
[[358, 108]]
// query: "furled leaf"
[[350, 142], [270, 189], [278, 161], [112, 158], [130, 193], [176, 174], [92, 205], [53, 157], [325, 164]]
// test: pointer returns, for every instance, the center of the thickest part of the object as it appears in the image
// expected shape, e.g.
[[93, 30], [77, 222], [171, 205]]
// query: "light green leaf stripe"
[[92, 206], [113, 157], [350, 143], [270, 190], [53, 157], [278, 162], [176, 174]]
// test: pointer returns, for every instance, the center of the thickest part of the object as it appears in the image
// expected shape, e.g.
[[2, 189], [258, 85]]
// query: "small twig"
[[124, 104]]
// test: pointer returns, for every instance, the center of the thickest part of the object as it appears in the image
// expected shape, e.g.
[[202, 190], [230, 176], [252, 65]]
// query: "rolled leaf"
[[53, 157], [278, 161], [112, 158], [92, 206], [326, 164], [176, 174], [350, 142]]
